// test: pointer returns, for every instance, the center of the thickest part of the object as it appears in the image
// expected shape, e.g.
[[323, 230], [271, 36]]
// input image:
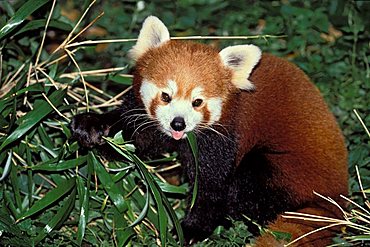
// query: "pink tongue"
[[177, 134]]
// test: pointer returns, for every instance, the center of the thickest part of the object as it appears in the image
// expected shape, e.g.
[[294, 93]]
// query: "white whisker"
[[122, 116], [149, 122], [135, 117], [203, 126]]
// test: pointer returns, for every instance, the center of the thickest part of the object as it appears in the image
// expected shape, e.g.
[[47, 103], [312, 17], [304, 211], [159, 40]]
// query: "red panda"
[[266, 137]]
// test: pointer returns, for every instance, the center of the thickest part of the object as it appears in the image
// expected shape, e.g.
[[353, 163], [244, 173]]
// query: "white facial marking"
[[172, 87], [215, 108], [148, 91], [197, 93]]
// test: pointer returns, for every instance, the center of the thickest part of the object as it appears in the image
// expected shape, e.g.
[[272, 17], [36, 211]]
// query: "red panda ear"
[[152, 34], [241, 59]]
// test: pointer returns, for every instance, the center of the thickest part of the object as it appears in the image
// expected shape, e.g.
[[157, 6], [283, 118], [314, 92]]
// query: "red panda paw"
[[88, 129], [194, 231]]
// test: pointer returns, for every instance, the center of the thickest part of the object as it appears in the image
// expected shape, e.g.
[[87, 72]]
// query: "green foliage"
[[54, 193], [237, 235], [20, 16], [194, 147]]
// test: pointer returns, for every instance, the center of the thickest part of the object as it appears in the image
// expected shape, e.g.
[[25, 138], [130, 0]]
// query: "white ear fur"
[[152, 34], [241, 59]]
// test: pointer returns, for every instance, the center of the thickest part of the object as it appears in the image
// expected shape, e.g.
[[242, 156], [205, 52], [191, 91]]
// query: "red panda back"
[[287, 115]]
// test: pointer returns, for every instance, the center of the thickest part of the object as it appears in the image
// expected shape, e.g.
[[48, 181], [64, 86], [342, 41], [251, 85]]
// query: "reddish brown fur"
[[285, 113], [156, 101], [206, 114], [191, 64]]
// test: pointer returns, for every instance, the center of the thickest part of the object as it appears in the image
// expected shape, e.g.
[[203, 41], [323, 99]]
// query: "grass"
[[53, 67]]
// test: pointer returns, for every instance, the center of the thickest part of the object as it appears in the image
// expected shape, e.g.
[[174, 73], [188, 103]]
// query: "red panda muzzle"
[[178, 125]]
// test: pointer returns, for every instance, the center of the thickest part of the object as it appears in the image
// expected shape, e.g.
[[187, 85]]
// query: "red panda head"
[[184, 85]]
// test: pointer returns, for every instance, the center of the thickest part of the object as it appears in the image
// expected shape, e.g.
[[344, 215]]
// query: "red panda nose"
[[178, 124]]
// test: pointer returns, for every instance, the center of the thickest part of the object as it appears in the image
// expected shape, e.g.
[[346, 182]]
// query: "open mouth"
[[177, 135]]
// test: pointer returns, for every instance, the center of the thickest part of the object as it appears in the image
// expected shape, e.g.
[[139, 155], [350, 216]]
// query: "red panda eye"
[[165, 97], [197, 102]]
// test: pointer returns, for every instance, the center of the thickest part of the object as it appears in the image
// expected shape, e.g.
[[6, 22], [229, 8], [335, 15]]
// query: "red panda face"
[[179, 112], [184, 85]]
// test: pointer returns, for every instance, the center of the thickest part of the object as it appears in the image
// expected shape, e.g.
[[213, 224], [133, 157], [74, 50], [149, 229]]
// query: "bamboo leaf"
[[36, 24], [194, 148], [163, 160], [8, 8], [169, 188], [359, 238], [53, 196], [154, 188], [140, 201], [61, 166], [66, 130], [122, 232], [29, 178], [9, 203], [144, 211], [37, 87], [5, 104], [7, 166], [120, 175], [83, 194], [15, 186], [20, 15], [29, 120], [45, 138], [281, 235], [121, 79], [175, 220], [59, 217], [108, 184], [14, 231], [159, 197]]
